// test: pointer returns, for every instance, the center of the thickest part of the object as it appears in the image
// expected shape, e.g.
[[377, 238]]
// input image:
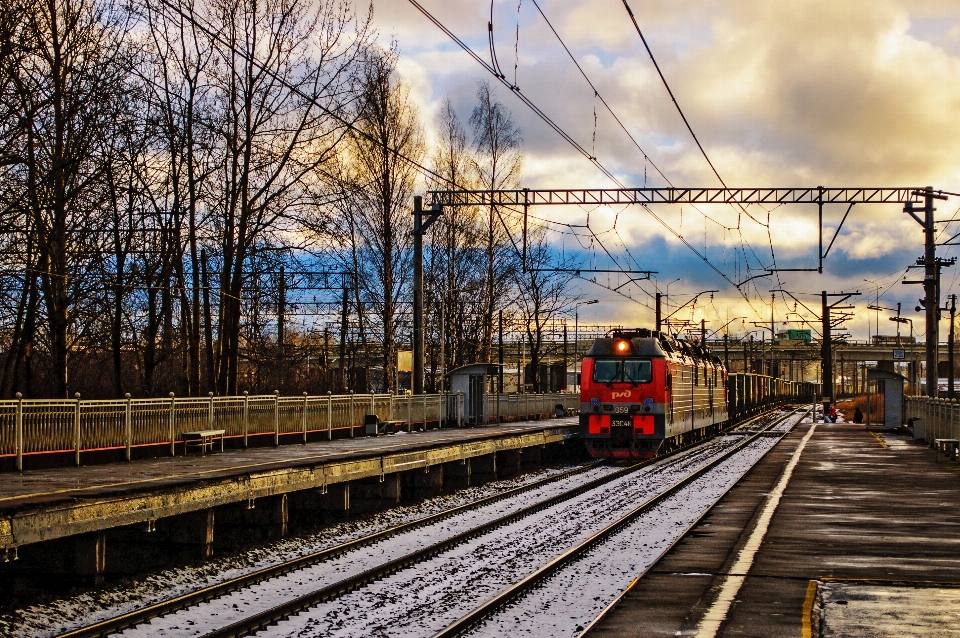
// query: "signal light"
[[622, 346]]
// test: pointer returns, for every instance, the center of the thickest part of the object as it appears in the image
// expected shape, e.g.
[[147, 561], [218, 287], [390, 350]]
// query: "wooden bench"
[[202, 440], [947, 447]]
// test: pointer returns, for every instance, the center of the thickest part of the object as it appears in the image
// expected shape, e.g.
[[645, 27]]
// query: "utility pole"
[[343, 336], [281, 312], [500, 356], [659, 312], [563, 384], [825, 355], [773, 334], [950, 340], [930, 288], [726, 352], [826, 346], [703, 333], [421, 223]]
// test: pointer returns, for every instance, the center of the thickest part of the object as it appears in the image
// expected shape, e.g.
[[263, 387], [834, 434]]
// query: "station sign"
[[899, 354]]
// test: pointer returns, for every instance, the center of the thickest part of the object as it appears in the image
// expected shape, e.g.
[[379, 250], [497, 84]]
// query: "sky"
[[789, 94]]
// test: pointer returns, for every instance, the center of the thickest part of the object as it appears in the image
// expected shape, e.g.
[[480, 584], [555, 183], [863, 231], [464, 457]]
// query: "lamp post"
[[576, 336]]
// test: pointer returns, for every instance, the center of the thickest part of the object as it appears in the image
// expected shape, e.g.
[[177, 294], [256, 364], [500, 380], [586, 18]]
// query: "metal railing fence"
[[941, 417], [39, 426]]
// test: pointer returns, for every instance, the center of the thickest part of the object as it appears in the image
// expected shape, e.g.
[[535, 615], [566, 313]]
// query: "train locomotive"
[[643, 392]]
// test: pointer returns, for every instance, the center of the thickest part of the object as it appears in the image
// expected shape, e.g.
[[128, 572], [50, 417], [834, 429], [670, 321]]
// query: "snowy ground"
[[425, 598], [406, 603], [61, 615], [232, 607], [565, 603]]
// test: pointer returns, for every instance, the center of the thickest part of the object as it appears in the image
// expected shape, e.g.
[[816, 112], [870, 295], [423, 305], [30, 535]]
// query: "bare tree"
[[457, 266], [67, 90], [283, 66], [380, 187], [498, 164]]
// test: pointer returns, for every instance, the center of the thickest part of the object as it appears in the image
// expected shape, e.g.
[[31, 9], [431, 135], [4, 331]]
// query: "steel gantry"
[[818, 195]]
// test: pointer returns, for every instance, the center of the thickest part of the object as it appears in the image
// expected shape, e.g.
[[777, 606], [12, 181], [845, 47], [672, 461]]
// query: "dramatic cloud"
[[860, 92]]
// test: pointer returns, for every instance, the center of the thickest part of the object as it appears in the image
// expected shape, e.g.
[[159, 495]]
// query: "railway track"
[[133, 618], [313, 597], [565, 560]]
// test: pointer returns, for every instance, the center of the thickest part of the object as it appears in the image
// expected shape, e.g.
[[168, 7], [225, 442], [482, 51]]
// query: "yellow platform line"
[[882, 443], [806, 630]]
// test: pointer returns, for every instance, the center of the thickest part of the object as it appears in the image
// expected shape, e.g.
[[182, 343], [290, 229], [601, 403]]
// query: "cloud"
[[860, 92]]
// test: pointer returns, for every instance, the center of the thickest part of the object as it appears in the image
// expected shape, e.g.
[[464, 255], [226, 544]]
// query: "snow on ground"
[[53, 618], [788, 424], [426, 597], [234, 606], [565, 603]]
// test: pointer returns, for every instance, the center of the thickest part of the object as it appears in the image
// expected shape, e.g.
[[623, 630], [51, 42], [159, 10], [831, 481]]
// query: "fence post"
[[329, 415], [172, 433], [276, 418], [410, 412], [424, 412], [246, 417], [76, 430], [129, 427], [353, 414], [304, 417], [460, 409], [209, 410], [19, 433], [390, 411]]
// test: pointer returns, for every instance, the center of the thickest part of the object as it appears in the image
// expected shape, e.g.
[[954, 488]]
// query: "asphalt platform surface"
[[867, 530]]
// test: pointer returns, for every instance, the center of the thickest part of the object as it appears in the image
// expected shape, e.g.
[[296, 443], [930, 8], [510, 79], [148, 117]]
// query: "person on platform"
[[833, 414], [858, 416]]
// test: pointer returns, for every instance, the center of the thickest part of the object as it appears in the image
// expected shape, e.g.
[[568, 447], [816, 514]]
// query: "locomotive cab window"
[[622, 371]]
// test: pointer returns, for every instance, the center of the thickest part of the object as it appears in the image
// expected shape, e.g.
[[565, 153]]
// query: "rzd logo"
[[621, 395]]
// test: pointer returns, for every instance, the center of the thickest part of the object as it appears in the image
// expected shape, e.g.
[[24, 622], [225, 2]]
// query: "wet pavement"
[[860, 508]]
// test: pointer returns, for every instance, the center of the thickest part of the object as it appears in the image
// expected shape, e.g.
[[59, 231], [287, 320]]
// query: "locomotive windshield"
[[622, 371]]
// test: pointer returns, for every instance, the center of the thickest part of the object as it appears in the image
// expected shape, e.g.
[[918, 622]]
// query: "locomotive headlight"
[[622, 346]]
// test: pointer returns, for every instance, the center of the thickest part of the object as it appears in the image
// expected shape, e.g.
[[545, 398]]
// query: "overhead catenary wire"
[[563, 134]]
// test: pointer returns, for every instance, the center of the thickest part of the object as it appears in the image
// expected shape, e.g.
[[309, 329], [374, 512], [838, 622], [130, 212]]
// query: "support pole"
[[417, 295], [930, 288], [820, 229], [500, 357], [950, 342], [726, 352], [827, 355], [563, 383], [659, 312], [281, 318], [420, 226], [343, 337]]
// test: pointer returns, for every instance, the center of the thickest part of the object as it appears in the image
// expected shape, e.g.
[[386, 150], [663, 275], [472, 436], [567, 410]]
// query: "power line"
[[593, 160]]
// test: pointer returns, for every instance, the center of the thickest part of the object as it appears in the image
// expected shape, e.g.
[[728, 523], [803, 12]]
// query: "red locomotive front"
[[641, 388]]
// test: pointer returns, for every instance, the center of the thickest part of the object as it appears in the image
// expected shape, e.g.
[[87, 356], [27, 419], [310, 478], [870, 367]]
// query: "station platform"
[[43, 505], [864, 541]]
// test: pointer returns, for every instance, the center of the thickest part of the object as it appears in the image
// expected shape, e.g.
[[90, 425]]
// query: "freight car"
[[643, 392]]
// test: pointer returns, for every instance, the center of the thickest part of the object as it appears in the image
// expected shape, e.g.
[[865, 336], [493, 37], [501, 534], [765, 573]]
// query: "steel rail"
[[616, 601], [518, 589], [273, 615], [130, 619]]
